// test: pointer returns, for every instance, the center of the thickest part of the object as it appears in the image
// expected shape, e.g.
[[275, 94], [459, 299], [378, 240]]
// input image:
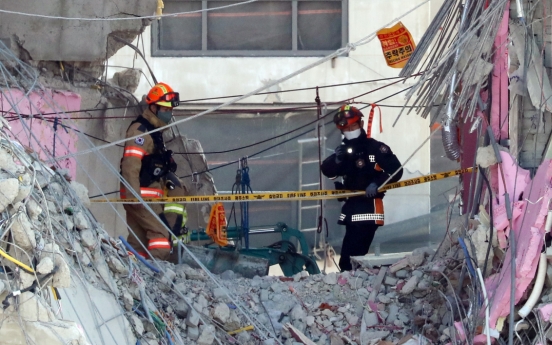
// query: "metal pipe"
[[450, 137], [484, 290], [138, 256], [519, 6], [179, 252], [537, 289], [143, 296]]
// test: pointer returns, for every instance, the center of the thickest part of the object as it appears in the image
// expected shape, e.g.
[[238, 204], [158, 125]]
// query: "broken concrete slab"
[[89, 306], [22, 231], [370, 261], [55, 333], [62, 277], [74, 42]]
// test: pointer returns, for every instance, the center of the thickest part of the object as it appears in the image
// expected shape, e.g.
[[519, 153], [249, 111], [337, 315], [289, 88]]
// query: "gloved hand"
[[339, 154], [182, 231], [372, 190]]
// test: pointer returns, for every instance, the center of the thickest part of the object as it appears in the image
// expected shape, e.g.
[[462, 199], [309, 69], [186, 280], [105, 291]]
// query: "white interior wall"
[[198, 77]]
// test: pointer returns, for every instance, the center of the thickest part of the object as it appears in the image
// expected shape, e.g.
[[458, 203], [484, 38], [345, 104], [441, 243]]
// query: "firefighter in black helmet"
[[365, 164]]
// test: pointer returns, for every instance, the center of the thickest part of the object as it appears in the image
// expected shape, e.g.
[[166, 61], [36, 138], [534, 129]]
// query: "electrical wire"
[[273, 146], [125, 183], [38, 115], [264, 150], [260, 142], [341, 51], [106, 19], [150, 210]]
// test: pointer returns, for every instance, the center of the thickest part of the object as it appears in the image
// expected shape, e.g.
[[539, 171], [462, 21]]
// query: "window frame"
[[156, 31]]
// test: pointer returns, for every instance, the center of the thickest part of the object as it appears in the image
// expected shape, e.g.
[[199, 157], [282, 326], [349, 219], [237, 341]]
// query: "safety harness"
[[157, 165]]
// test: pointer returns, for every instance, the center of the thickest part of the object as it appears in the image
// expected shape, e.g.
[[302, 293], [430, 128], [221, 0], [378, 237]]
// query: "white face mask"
[[352, 134]]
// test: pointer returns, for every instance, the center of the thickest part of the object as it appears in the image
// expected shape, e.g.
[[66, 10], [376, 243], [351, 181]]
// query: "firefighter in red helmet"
[[145, 166], [365, 164]]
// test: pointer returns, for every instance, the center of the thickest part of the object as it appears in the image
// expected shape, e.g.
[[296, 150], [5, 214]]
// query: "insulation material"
[[515, 178], [14, 102], [501, 222], [515, 182], [546, 311], [529, 232], [485, 157]]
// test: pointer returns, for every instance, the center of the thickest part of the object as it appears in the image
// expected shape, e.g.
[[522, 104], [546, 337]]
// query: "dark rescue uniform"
[[366, 160], [144, 166]]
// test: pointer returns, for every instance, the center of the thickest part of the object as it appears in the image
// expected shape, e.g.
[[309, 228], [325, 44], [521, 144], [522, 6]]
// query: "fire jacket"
[[144, 158], [366, 160]]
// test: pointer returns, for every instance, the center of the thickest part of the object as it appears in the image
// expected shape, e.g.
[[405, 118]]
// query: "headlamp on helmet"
[[346, 116], [163, 95]]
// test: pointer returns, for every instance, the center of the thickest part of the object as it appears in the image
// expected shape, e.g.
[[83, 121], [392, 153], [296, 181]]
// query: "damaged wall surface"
[[479, 286], [71, 40], [45, 134]]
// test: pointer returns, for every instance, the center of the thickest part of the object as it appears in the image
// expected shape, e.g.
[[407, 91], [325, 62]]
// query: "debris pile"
[[51, 240], [53, 247]]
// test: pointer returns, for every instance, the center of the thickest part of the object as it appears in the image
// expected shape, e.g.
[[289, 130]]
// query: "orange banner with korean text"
[[217, 225], [397, 45]]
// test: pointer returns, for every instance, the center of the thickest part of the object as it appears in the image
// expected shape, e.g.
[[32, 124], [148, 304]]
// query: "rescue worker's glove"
[[372, 190], [339, 154], [182, 231], [339, 186], [170, 185], [184, 234]]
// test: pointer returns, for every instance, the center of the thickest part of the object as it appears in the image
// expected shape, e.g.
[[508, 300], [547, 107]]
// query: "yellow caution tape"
[[425, 179], [288, 196]]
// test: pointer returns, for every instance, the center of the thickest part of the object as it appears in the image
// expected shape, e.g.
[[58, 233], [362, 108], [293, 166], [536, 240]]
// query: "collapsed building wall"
[[109, 297], [438, 296], [79, 40], [69, 44]]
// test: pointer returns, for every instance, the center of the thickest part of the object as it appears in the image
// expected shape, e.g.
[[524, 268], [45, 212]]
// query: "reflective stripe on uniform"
[[178, 209], [134, 151], [366, 216], [151, 192], [378, 209], [159, 243], [174, 208], [145, 193]]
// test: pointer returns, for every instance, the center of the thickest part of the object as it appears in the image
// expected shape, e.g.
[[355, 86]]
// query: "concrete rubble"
[[65, 280], [52, 230], [421, 298]]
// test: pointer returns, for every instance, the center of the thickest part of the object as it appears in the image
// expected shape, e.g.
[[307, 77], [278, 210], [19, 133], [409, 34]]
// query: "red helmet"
[[162, 94], [346, 116]]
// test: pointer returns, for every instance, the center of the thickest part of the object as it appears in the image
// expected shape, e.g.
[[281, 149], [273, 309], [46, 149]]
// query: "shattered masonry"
[[64, 280], [53, 225]]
